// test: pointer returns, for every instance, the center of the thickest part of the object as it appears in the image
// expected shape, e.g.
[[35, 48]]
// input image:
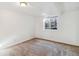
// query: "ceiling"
[[42, 8]]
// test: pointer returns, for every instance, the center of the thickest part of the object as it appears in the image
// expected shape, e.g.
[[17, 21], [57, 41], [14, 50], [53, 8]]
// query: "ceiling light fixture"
[[23, 4]]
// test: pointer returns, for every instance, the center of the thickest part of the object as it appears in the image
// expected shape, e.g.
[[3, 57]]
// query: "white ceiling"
[[42, 8]]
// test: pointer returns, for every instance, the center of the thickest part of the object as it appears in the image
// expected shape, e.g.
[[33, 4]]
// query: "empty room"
[[39, 28]]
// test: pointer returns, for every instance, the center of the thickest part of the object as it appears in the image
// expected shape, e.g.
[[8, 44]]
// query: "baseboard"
[[31, 38], [16, 42], [57, 42]]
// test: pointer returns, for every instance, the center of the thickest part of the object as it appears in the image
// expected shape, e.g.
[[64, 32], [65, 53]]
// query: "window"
[[50, 23]]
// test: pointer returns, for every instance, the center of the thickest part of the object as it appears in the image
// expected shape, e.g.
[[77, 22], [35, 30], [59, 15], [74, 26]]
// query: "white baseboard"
[[11, 43], [59, 41]]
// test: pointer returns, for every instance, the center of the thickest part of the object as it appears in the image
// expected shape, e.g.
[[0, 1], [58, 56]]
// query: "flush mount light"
[[23, 4]]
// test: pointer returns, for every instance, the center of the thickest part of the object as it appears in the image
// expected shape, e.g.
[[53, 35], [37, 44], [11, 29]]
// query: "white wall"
[[66, 32], [15, 26], [77, 26]]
